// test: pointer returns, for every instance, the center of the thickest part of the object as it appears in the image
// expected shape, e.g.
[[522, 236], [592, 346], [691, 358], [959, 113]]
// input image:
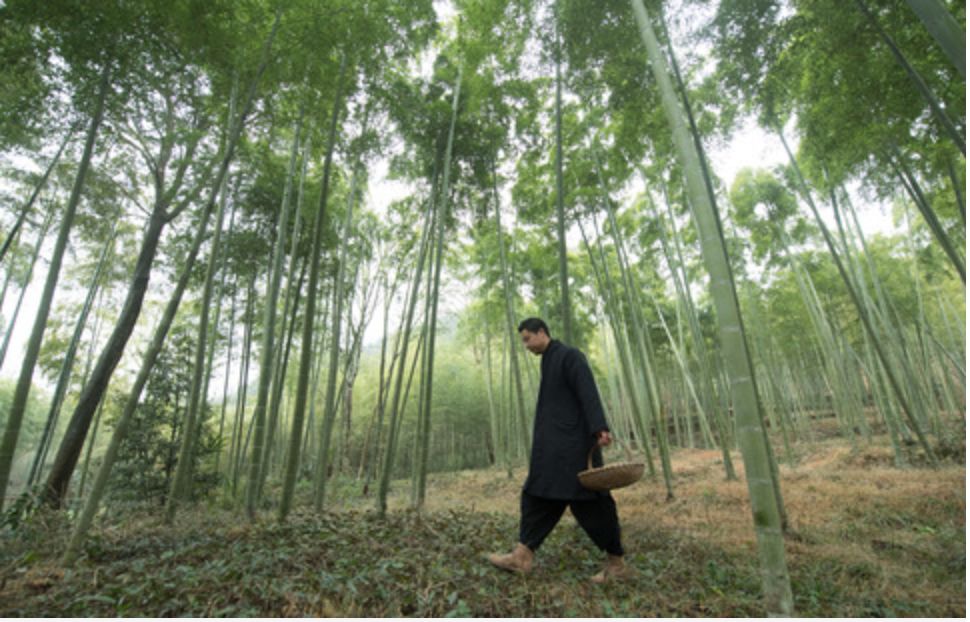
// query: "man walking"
[[569, 423]]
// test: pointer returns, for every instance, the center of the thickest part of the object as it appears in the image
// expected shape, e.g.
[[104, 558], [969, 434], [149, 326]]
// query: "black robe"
[[569, 414]]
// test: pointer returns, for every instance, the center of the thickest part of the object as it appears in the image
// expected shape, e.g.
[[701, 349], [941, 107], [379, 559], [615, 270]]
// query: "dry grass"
[[850, 510]]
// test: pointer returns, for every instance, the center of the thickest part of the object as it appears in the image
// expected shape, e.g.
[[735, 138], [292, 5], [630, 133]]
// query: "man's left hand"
[[603, 438]]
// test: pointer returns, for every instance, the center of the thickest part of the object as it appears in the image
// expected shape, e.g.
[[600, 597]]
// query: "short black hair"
[[533, 324]]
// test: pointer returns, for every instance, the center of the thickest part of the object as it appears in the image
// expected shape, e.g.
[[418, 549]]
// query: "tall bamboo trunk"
[[935, 106], [225, 381], [18, 404], [708, 366], [945, 29], [382, 385], [90, 449], [28, 276], [493, 421], [266, 368], [709, 185], [906, 177], [238, 448], [510, 326], [611, 305], [567, 311], [431, 322], [25, 210], [764, 504], [422, 430], [705, 174], [64, 376], [330, 409], [94, 390], [134, 396], [407, 321], [284, 345], [864, 313], [216, 321], [306, 350], [8, 276], [310, 441], [290, 308], [183, 469]]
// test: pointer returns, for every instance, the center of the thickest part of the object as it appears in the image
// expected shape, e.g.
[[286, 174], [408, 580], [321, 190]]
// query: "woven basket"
[[610, 476]]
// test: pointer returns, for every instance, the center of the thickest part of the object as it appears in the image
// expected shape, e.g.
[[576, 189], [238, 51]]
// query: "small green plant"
[[19, 511]]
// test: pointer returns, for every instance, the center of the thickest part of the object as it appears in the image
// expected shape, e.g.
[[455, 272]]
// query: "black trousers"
[[597, 517]]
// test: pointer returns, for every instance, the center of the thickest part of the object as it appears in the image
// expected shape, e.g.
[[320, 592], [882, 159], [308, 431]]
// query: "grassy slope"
[[867, 540]]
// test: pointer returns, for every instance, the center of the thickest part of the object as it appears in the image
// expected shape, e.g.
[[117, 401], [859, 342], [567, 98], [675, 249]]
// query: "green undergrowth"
[[354, 563]]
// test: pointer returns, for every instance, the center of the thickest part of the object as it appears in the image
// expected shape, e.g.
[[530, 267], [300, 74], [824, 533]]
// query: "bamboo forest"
[[265, 265]]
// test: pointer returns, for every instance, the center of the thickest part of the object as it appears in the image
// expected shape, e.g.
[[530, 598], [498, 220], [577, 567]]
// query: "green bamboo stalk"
[[25, 210], [705, 174], [64, 375], [225, 382], [395, 413], [27, 278], [861, 308], [643, 359], [935, 106], [611, 304], [242, 390], [510, 326], [18, 403], [257, 462], [506, 407], [330, 408], [422, 430], [382, 386], [493, 420], [912, 187], [229, 339], [957, 191], [769, 369], [290, 305], [706, 362], [124, 421], [303, 377], [567, 310], [884, 406], [945, 29], [197, 402], [764, 501], [89, 450], [8, 276], [442, 209]]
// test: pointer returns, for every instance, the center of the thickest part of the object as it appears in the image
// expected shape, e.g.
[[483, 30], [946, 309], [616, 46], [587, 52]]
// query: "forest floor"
[[866, 539]]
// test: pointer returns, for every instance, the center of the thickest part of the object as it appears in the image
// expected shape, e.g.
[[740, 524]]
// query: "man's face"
[[535, 343]]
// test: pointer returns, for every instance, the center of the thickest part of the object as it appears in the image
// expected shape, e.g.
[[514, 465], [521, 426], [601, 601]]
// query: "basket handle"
[[626, 448]]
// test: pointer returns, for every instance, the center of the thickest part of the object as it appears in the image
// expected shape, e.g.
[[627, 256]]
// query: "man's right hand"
[[603, 438]]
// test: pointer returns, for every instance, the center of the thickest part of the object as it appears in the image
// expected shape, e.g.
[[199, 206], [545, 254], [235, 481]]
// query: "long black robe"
[[569, 414]]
